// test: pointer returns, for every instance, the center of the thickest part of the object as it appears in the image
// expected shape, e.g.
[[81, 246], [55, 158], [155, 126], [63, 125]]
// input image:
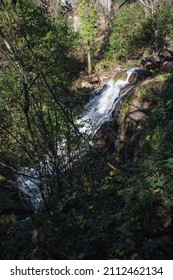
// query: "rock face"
[[105, 8], [124, 134], [105, 136], [134, 110], [100, 4]]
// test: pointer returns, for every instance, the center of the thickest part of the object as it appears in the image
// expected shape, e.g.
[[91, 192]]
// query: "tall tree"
[[87, 27]]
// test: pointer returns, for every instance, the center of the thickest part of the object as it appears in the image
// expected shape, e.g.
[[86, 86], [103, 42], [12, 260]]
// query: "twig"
[[111, 166]]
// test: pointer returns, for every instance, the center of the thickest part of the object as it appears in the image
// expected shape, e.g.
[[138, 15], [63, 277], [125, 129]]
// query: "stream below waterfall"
[[102, 107]]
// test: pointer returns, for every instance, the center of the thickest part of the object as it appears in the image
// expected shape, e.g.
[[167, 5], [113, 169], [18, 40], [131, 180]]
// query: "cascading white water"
[[28, 183], [102, 105], [101, 108]]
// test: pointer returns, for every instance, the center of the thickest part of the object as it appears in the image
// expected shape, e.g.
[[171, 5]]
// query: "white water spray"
[[102, 105]]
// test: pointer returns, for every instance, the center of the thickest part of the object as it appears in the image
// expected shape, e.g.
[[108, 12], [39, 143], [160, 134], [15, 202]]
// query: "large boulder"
[[139, 75]]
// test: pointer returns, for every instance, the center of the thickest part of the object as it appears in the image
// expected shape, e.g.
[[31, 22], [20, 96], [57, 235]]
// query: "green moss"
[[125, 108], [153, 87]]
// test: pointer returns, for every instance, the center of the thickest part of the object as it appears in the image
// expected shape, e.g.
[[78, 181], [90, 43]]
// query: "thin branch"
[[123, 3], [15, 138], [111, 166], [59, 104]]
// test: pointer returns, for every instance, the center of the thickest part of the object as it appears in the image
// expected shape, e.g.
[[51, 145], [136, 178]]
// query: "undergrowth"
[[110, 210]]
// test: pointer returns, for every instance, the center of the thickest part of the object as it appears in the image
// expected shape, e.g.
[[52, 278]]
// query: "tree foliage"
[[35, 110], [105, 205], [87, 27], [129, 40]]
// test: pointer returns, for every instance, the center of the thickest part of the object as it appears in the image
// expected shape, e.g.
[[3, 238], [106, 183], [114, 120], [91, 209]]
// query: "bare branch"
[[123, 3]]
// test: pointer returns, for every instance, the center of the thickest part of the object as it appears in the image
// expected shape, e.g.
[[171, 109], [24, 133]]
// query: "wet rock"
[[139, 75], [105, 136]]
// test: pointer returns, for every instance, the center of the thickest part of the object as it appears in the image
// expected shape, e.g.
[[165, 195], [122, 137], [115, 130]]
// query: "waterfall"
[[102, 107], [103, 104], [28, 182]]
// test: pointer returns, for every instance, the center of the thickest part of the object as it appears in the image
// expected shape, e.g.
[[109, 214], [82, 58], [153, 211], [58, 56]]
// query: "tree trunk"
[[89, 62]]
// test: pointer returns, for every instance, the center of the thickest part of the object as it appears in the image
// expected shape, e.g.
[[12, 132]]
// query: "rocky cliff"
[[106, 8]]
